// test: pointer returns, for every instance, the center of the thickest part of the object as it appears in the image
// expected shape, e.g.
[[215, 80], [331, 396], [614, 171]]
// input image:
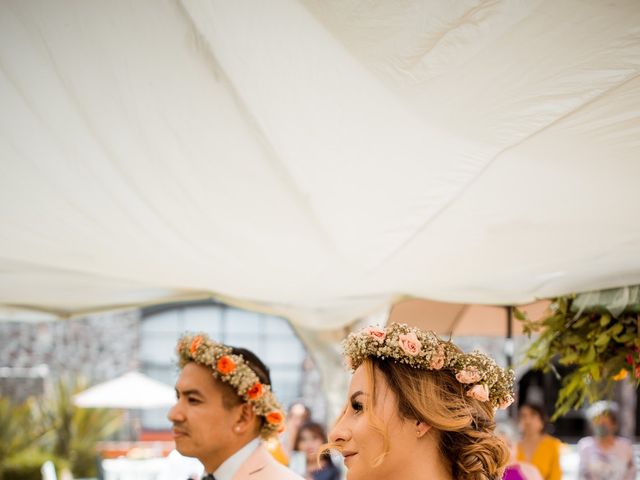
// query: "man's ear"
[[245, 418]]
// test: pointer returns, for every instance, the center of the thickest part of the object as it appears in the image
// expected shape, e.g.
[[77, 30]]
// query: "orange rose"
[[275, 417], [195, 343], [255, 392], [225, 365]]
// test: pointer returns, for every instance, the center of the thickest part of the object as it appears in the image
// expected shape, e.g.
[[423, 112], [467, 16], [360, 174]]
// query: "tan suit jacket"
[[262, 466]]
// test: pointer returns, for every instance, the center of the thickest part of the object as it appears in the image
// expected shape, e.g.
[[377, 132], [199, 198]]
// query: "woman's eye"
[[356, 406], [193, 400]]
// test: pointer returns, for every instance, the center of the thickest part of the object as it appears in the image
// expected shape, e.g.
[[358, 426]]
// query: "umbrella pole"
[[509, 352]]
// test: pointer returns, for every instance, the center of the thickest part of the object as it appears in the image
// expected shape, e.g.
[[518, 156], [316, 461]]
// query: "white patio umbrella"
[[132, 390]]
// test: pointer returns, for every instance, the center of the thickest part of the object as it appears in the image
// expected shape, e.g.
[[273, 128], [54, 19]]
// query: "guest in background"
[[297, 414], [605, 456], [535, 446], [310, 438], [515, 470]]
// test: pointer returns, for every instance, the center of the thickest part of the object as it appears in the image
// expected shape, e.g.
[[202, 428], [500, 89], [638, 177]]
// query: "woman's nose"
[[339, 433]]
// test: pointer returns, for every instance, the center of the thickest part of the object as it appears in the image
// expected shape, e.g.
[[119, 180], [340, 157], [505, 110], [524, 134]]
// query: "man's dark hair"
[[254, 363], [230, 397]]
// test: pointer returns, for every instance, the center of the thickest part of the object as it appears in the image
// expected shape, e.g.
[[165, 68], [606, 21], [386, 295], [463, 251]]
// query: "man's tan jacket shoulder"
[[262, 466]]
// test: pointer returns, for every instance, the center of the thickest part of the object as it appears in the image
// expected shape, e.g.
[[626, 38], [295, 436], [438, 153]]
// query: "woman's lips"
[[348, 455]]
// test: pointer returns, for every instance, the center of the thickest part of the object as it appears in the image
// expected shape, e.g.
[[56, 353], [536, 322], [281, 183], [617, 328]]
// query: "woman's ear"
[[421, 428]]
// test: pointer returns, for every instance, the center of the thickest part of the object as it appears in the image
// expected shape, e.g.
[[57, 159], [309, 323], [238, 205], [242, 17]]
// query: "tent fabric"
[[133, 390], [316, 159]]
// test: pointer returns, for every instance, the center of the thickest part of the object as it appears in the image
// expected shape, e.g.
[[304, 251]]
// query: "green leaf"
[[602, 339], [519, 314]]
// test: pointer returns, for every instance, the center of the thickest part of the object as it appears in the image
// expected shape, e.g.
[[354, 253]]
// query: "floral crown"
[[233, 369], [486, 381]]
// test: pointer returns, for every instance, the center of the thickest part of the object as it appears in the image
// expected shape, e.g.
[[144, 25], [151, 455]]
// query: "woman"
[[515, 470], [605, 456], [536, 447], [419, 408], [309, 440]]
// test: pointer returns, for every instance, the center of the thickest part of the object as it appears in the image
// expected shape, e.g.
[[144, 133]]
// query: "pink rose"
[[469, 375], [437, 359], [410, 343], [377, 333], [479, 392], [505, 402]]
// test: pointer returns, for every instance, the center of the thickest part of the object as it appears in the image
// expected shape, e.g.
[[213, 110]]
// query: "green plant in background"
[[71, 432], [16, 433], [595, 332], [15, 428], [26, 465]]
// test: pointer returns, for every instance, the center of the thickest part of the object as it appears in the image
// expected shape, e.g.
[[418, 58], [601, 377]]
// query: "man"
[[224, 405]]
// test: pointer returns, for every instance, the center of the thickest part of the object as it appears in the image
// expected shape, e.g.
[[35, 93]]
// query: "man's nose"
[[175, 414]]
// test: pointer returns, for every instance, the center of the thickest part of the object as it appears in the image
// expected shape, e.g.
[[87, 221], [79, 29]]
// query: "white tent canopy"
[[132, 390], [316, 158]]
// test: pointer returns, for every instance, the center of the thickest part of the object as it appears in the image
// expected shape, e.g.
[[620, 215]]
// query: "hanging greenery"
[[597, 334]]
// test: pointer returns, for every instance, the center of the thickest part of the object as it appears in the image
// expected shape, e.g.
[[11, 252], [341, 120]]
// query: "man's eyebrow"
[[193, 391]]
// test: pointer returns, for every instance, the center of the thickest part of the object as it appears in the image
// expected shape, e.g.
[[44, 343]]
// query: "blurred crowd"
[[536, 455]]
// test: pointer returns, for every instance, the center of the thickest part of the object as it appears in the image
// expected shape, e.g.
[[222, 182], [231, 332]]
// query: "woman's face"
[[309, 444], [360, 443], [604, 426], [529, 421]]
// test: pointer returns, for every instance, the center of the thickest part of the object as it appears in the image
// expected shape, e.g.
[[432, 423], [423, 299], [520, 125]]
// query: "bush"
[[26, 465], [73, 432]]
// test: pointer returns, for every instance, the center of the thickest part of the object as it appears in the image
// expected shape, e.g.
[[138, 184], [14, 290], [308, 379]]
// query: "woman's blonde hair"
[[464, 427]]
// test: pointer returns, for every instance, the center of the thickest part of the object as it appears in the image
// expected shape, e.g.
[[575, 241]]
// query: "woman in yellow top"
[[536, 447]]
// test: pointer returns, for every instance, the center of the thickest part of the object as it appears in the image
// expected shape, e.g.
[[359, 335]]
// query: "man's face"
[[202, 426]]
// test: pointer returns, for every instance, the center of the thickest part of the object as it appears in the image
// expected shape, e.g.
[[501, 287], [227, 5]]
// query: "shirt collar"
[[230, 466]]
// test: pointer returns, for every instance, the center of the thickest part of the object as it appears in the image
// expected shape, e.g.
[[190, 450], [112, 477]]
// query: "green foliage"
[[52, 428], [26, 465], [15, 428], [602, 349], [72, 432]]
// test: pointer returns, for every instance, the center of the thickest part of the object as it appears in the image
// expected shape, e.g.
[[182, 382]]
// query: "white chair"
[[48, 471]]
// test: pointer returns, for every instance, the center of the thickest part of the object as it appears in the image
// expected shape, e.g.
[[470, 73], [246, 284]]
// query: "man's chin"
[[183, 448]]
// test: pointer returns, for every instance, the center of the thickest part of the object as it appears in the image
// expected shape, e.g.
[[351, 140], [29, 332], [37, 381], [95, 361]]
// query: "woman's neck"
[[424, 468], [532, 436], [605, 442]]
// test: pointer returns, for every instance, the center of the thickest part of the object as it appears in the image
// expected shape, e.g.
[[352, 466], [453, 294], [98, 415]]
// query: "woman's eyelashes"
[[356, 406]]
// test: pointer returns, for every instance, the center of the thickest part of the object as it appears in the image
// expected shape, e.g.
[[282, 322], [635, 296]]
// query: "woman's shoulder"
[[623, 443], [586, 443], [529, 471]]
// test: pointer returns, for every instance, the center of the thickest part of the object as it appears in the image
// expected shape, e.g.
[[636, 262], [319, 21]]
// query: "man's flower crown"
[[486, 380], [232, 369]]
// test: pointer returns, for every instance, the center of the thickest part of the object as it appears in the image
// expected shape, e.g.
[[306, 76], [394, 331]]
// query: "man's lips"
[[177, 433]]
